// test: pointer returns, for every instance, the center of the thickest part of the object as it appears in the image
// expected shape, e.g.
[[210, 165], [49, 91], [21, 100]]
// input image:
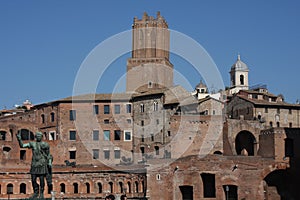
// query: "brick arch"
[[271, 168], [62, 187], [99, 186], [245, 140]]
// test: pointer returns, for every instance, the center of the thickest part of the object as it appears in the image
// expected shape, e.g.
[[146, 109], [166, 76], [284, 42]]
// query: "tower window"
[[142, 108], [155, 106], [52, 116], [242, 81]]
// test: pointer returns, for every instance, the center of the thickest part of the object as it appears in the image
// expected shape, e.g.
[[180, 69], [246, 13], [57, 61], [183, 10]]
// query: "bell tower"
[[149, 66]]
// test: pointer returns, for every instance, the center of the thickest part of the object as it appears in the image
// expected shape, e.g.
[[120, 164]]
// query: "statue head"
[[39, 136]]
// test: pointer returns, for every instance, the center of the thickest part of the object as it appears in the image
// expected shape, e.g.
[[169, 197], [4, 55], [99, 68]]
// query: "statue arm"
[[21, 144]]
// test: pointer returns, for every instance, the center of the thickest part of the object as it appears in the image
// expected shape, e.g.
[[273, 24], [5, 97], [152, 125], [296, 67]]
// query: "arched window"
[[62, 188], [242, 81], [75, 188], [156, 150], [26, 134], [2, 135], [22, 188], [142, 108], [99, 187], [155, 106], [111, 187], [136, 184], [120, 187], [42, 118], [10, 189], [52, 115], [129, 187], [88, 188]]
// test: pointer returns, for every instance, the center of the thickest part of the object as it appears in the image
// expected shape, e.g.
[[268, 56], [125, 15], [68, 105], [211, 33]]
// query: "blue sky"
[[43, 43]]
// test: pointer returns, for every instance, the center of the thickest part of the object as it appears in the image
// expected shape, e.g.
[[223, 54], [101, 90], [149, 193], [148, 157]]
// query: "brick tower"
[[149, 66]]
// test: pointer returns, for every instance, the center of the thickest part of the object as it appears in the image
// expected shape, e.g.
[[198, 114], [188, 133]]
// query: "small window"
[[96, 109], [72, 115], [278, 124], [214, 112], [72, 135], [271, 124], [117, 135], [88, 188], [142, 150], [95, 135], [278, 110], [95, 153], [22, 188], [149, 84], [106, 154], [242, 79], [2, 135], [72, 154], [127, 135], [128, 108], [106, 109], [291, 125], [143, 138], [117, 154], [290, 111], [142, 123], [99, 187], [43, 118], [209, 185], [62, 188], [128, 121], [152, 137], [52, 117], [106, 121], [52, 135], [106, 134], [157, 121], [23, 155], [266, 110], [169, 133], [117, 109], [155, 106], [142, 108], [75, 188], [10, 189], [156, 150]]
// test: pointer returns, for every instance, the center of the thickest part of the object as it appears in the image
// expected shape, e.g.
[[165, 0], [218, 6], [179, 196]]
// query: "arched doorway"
[[245, 143], [231, 192], [282, 185]]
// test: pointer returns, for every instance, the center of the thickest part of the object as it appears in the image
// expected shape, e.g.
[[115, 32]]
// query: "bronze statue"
[[41, 164]]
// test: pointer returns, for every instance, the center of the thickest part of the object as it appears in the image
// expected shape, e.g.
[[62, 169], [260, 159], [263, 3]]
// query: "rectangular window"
[[117, 154], [72, 154], [72, 115], [143, 138], [117, 109], [72, 135], [106, 109], [152, 137], [209, 185], [157, 121], [95, 109], [127, 135], [290, 111], [52, 135], [128, 121], [142, 123], [169, 133], [95, 135], [117, 135], [95, 153], [23, 155], [278, 110], [128, 108], [106, 121], [106, 134], [106, 154]]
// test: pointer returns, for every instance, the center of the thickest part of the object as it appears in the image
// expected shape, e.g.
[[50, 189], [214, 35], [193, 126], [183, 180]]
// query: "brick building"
[[156, 140]]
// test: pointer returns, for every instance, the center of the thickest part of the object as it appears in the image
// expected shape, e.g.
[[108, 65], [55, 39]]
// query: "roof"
[[239, 65]]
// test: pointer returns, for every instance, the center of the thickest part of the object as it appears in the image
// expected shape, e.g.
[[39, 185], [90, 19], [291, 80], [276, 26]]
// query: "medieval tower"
[[149, 66]]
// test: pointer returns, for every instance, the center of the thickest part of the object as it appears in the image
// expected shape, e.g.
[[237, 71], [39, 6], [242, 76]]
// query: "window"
[[26, 134], [95, 135], [142, 108], [88, 188], [127, 135], [169, 133], [111, 187], [155, 106], [75, 188], [278, 124], [157, 121], [2, 135], [117, 135], [72, 135], [214, 112], [99, 185], [271, 124], [142, 150], [95, 153], [149, 84], [278, 110], [52, 117], [209, 186], [106, 109], [136, 186], [10, 189], [106, 121], [120, 187], [290, 111], [156, 150], [117, 109], [152, 137], [52, 135], [142, 123], [291, 125], [128, 108], [72, 154], [242, 79], [23, 155], [106, 154], [72, 115], [117, 154], [128, 121], [62, 187], [142, 138], [106, 134], [22, 188], [95, 109], [43, 118]]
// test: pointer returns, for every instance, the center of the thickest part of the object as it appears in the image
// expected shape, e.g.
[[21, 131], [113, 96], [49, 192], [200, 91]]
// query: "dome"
[[239, 65], [201, 85]]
